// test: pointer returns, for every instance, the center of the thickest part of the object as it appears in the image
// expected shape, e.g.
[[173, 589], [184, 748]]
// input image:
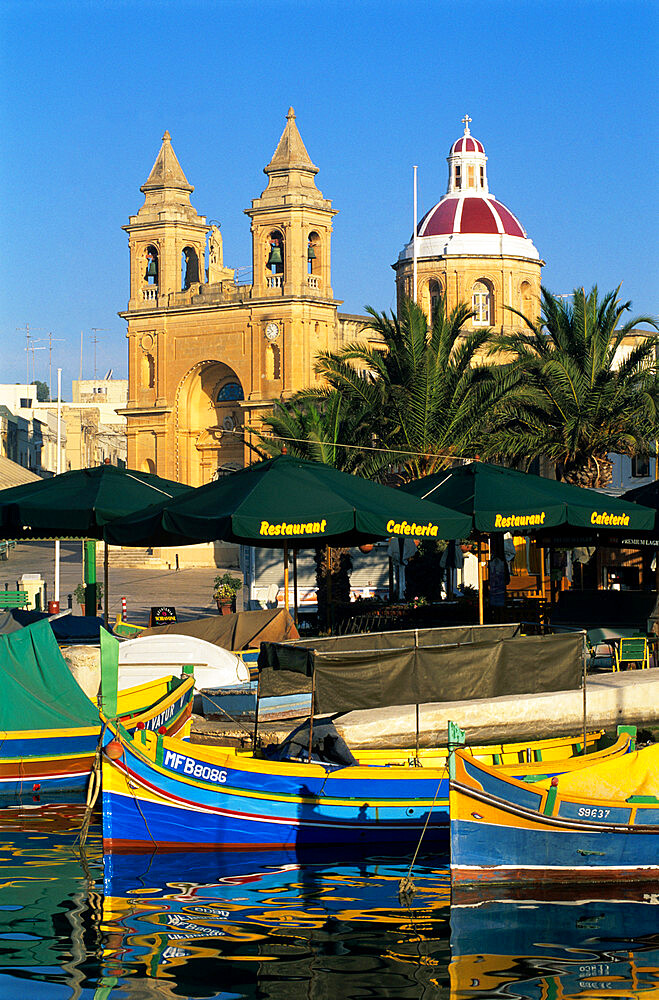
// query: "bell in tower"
[[151, 273], [275, 259]]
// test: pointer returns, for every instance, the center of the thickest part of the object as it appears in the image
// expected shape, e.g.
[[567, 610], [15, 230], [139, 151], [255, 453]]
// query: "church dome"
[[465, 214], [468, 219], [467, 144]]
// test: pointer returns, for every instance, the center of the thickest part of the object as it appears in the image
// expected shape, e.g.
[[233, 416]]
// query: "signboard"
[[162, 615]]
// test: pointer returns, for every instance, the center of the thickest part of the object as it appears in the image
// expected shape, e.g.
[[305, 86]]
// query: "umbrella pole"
[[106, 577], [584, 701], [256, 711], [313, 692], [295, 586], [286, 575], [481, 603], [329, 587]]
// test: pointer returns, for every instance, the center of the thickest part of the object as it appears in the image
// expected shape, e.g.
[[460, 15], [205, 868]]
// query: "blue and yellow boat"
[[599, 822], [159, 790], [50, 730]]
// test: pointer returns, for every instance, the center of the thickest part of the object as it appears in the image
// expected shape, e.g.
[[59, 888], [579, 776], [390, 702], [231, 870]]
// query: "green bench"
[[13, 599]]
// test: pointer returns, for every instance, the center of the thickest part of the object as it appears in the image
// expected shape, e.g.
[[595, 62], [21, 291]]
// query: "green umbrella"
[[288, 501], [79, 504], [498, 499]]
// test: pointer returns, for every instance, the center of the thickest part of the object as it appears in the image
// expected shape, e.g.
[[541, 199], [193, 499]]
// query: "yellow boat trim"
[[45, 734], [145, 746], [114, 780], [23, 759]]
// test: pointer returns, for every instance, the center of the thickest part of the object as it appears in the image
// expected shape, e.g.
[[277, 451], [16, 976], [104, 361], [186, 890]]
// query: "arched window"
[[229, 392], [151, 272], [189, 267], [313, 253], [526, 300], [272, 362], [434, 298], [275, 248], [481, 303], [148, 371]]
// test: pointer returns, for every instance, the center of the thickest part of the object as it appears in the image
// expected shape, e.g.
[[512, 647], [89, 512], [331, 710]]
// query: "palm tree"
[[579, 393], [313, 424], [423, 393]]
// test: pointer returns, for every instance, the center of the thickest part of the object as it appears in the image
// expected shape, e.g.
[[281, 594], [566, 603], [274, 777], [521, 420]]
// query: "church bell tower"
[[167, 238], [291, 225]]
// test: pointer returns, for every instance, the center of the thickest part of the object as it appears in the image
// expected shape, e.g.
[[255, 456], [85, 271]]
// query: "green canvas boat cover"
[[38, 689], [348, 679]]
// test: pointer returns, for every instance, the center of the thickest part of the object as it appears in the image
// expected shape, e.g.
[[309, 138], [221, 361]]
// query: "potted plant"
[[225, 588], [79, 594]]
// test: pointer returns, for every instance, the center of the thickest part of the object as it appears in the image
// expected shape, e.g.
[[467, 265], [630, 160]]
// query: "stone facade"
[[207, 354]]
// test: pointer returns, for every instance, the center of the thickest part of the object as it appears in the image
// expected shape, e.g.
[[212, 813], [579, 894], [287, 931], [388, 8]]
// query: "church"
[[209, 354]]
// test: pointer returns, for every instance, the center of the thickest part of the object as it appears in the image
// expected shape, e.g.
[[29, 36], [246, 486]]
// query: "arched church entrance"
[[209, 423]]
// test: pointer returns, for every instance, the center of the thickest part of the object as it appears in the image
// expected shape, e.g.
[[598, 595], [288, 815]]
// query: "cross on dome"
[[466, 121]]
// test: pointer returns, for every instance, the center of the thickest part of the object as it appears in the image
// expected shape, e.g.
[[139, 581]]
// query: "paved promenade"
[[189, 590]]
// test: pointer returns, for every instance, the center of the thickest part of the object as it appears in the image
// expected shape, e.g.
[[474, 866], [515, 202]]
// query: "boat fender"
[[114, 750]]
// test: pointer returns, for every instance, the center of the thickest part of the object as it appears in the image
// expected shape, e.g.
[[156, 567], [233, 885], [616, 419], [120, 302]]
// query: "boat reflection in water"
[[275, 921], [551, 947], [281, 927]]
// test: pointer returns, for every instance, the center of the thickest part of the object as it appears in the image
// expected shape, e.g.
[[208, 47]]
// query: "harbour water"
[[275, 926]]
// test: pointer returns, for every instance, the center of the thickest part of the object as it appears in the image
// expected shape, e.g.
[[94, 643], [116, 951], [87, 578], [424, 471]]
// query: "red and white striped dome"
[[468, 219], [466, 144], [469, 214]]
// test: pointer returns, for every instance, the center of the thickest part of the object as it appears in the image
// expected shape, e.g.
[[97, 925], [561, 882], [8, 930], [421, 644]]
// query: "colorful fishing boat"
[[596, 823], [50, 730], [184, 797]]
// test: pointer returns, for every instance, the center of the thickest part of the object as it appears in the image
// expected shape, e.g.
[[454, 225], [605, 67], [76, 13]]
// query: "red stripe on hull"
[[475, 878], [114, 846]]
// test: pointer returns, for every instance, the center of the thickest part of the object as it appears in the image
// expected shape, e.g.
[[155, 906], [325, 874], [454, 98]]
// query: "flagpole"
[[58, 468], [414, 238]]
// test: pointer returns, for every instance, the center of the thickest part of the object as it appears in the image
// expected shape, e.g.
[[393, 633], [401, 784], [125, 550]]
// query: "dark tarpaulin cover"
[[67, 629], [299, 656], [8, 623], [244, 630], [348, 681]]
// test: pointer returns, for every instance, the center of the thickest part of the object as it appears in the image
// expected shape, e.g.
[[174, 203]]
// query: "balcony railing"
[[275, 280], [150, 294], [312, 281]]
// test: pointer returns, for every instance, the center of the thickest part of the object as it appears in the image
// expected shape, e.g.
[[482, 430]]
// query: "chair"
[[633, 650]]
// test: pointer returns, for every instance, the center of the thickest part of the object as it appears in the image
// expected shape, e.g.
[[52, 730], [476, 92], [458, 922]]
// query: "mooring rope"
[[93, 789], [406, 885]]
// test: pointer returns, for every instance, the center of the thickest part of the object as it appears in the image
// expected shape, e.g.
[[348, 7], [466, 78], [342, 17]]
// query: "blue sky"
[[563, 96]]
